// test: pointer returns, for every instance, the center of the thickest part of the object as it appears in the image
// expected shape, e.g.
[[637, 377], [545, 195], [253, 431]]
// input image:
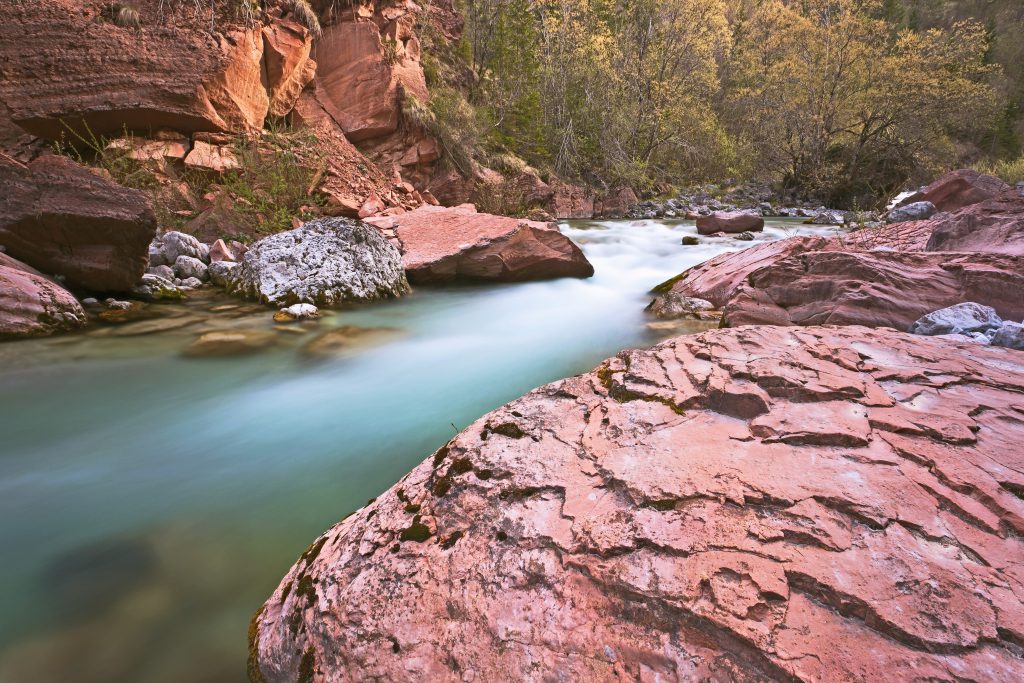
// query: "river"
[[151, 501]]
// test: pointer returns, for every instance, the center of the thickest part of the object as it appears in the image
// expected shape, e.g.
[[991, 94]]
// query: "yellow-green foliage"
[[451, 120], [1012, 171], [304, 13]]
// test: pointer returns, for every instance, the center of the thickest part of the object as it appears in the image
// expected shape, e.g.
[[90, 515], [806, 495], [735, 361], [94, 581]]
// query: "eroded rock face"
[[729, 222], [87, 72], [444, 245], [326, 262], [878, 289], [958, 189], [994, 225], [62, 219], [783, 504], [32, 305]]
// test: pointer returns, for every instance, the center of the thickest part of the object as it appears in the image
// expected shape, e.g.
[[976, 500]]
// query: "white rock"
[[155, 288], [187, 267], [166, 272], [297, 312], [326, 262], [966, 318], [191, 283], [177, 244]]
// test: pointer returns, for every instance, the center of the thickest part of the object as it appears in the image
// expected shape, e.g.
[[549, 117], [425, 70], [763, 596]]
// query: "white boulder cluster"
[[974, 322], [179, 263]]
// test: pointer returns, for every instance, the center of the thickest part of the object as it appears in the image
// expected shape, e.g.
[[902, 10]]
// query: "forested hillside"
[[841, 99]]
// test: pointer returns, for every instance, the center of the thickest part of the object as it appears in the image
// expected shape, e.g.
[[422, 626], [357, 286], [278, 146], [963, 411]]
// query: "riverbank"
[[196, 482]]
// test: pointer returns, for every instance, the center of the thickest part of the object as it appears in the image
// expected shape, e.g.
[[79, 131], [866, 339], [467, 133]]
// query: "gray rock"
[[1010, 335], [166, 248], [829, 217], [673, 305], [966, 318], [745, 237], [90, 301], [155, 288], [188, 267], [166, 272], [326, 262], [191, 283], [918, 211], [115, 305], [220, 272]]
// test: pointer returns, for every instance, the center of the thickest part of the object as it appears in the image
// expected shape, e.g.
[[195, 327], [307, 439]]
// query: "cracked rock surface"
[[814, 504]]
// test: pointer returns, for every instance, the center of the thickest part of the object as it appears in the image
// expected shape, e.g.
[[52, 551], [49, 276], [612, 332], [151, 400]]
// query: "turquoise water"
[[150, 501]]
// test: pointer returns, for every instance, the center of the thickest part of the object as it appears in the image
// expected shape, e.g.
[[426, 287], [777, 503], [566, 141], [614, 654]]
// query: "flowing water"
[[151, 501]]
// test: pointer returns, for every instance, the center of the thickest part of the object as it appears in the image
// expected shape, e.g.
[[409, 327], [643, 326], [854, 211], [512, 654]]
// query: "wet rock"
[[296, 313], [962, 318], [186, 267], [878, 289], [62, 219], [190, 283], [717, 279], [958, 189], [156, 288], [348, 339], [918, 211], [442, 245], [994, 225], [673, 305], [745, 237], [690, 241], [731, 222], [1010, 335], [230, 343], [755, 504], [326, 262], [32, 305]]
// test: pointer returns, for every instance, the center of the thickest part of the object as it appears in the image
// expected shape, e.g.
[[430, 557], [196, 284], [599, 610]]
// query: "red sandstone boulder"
[[64, 220], [761, 504], [878, 289], [729, 222], [86, 72], [32, 305], [995, 225], [616, 203], [958, 189], [717, 280], [444, 245], [571, 201]]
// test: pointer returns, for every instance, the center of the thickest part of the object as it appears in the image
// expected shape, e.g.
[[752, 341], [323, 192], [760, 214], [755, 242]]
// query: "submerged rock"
[[296, 313], [348, 339], [230, 343], [754, 504], [326, 262]]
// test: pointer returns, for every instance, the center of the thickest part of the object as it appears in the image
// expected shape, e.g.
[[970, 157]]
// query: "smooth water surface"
[[150, 502]]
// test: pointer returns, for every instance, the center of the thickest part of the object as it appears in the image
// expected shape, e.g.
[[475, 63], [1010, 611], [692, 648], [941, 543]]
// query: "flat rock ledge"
[[750, 504]]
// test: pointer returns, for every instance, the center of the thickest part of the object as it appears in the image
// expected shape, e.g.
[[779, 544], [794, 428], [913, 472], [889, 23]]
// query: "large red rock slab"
[[717, 279], [32, 305], [62, 219], [87, 73], [995, 225], [442, 245], [878, 289], [958, 189], [729, 222], [289, 69], [661, 519]]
